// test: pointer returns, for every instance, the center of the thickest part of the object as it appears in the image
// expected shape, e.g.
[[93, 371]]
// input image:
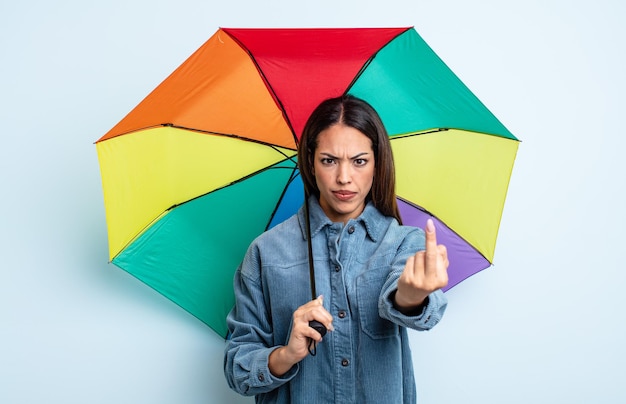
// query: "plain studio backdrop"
[[543, 325]]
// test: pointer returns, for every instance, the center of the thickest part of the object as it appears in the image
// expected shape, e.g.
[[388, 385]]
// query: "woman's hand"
[[283, 358], [424, 272]]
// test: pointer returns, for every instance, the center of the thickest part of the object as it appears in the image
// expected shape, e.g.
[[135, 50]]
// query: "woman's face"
[[343, 167]]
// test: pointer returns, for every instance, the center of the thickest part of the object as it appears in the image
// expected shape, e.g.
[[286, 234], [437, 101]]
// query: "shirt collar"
[[373, 221]]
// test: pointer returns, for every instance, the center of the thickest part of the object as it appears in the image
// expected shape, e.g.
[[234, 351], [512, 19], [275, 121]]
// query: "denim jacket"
[[367, 358]]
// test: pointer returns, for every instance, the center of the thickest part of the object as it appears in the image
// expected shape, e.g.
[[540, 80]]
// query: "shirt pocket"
[[368, 290]]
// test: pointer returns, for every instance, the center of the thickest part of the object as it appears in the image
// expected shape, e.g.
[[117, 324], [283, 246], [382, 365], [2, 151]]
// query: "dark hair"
[[358, 114]]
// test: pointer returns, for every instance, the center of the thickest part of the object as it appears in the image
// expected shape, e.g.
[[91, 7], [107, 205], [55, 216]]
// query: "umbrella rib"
[[272, 167], [442, 129], [233, 136], [131, 131], [132, 240], [230, 135], [207, 132], [427, 132]]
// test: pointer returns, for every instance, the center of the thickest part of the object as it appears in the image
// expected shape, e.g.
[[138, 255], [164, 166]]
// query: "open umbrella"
[[206, 162]]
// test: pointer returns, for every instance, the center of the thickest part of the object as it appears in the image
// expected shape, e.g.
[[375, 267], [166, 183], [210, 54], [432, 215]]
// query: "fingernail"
[[430, 226]]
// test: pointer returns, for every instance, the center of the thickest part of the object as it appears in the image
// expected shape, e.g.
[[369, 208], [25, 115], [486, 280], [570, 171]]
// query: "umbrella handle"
[[319, 327]]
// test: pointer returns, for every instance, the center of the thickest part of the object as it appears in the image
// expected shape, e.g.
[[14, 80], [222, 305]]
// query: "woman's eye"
[[327, 160], [360, 162]]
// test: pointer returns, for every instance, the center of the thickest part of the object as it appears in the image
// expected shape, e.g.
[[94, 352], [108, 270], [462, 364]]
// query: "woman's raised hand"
[[424, 272]]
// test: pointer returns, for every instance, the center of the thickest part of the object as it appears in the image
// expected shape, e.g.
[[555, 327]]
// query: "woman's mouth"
[[344, 195]]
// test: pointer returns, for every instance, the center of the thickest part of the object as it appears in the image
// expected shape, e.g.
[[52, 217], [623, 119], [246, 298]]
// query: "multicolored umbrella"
[[207, 161]]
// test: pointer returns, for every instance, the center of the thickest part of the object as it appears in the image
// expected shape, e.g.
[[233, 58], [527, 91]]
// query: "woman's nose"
[[343, 175]]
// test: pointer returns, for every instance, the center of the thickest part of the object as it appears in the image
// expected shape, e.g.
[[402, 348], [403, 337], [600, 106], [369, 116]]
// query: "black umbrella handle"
[[319, 327]]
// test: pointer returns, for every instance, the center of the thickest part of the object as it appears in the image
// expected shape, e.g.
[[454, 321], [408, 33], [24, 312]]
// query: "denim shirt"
[[367, 358]]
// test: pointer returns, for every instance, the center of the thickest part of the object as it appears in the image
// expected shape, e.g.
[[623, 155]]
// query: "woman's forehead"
[[343, 138]]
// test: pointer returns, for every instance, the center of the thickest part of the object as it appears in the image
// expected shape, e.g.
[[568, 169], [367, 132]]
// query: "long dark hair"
[[358, 114]]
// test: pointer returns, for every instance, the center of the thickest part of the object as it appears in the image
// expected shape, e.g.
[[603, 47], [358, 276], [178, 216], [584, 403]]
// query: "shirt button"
[[337, 268], [351, 229], [345, 362], [261, 377], [342, 313]]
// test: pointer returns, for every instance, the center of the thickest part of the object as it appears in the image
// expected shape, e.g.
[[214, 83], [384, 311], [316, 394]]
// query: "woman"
[[376, 277]]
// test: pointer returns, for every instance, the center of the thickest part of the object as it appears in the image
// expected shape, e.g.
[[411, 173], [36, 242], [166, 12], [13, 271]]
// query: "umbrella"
[[207, 161]]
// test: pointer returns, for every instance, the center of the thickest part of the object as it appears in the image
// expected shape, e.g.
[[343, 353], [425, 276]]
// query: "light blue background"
[[544, 325]]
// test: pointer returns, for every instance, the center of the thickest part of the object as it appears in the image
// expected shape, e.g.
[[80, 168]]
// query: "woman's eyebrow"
[[359, 155], [351, 158]]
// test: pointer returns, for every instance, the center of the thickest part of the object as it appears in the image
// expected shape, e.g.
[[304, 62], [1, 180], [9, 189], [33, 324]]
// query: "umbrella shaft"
[[310, 246]]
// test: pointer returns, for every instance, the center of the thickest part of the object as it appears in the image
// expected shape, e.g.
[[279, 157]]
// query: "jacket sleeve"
[[437, 301], [250, 341]]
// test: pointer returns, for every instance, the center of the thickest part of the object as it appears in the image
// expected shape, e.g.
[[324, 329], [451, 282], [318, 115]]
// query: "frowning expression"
[[344, 171]]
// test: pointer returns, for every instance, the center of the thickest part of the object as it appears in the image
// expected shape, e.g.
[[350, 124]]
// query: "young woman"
[[375, 277]]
